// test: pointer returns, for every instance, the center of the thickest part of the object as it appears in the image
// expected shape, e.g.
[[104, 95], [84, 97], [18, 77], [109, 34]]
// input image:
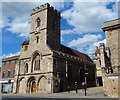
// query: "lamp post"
[[85, 74]]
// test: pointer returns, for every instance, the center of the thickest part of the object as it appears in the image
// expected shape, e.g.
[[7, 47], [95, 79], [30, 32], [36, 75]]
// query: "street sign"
[[86, 73]]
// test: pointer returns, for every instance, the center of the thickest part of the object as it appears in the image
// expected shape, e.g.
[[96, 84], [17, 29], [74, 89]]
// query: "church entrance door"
[[33, 88]]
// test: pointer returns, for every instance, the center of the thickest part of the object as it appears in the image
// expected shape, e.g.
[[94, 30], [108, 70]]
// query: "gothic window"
[[26, 68], [38, 22], [37, 63]]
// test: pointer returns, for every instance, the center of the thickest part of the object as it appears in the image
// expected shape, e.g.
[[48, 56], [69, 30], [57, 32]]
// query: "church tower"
[[45, 27]]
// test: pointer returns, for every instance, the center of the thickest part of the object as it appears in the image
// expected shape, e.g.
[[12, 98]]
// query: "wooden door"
[[33, 89]]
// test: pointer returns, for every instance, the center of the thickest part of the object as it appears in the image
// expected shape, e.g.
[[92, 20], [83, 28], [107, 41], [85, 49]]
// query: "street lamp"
[[85, 74]]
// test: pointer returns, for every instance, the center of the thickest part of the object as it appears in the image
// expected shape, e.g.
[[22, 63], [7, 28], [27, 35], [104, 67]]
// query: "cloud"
[[70, 31], [10, 55], [20, 27], [16, 16], [87, 43], [88, 17]]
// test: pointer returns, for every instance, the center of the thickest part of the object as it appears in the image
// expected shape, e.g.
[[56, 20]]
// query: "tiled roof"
[[26, 42], [97, 51], [68, 51], [76, 53]]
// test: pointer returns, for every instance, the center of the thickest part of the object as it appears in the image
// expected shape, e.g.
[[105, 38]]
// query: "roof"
[[72, 52], [97, 51], [68, 51], [26, 42], [10, 58]]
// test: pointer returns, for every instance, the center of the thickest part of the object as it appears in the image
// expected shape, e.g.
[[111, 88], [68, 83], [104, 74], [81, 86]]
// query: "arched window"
[[35, 66], [38, 22], [36, 63], [26, 68]]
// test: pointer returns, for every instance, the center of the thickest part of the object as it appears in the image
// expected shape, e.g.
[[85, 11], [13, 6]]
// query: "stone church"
[[107, 59], [46, 66]]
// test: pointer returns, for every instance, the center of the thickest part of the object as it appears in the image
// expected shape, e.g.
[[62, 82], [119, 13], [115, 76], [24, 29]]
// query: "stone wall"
[[69, 70], [111, 80], [112, 29], [111, 85]]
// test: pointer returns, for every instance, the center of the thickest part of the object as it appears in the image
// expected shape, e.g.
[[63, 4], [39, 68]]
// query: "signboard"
[[48, 80], [114, 77]]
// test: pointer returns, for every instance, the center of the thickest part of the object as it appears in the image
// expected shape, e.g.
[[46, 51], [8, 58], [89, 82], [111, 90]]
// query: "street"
[[59, 96], [92, 94]]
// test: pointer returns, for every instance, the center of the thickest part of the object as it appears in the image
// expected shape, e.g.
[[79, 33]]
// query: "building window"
[[37, 39], [36, 62], [4, 63], [3, 74], [100, 62], [13, 72], [26, 68], [8, 73], [26, 47], [38, 22], [53, 24], [15, 61], [55, 63], [9, 62], [37, 65]]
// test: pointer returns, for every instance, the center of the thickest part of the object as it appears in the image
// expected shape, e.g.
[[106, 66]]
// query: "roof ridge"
[[76, 50]]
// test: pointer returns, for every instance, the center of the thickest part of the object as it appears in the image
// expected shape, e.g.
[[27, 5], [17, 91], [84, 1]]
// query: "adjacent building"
[[97, 61], [7, 74], [107, 58], [46, 66]]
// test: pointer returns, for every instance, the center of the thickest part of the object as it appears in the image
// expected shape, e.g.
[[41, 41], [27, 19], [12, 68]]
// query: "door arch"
[[43, 85], [31, 85], [22, 83]]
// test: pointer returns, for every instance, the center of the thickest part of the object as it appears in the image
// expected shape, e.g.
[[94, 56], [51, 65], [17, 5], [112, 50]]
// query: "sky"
[[81, 24]]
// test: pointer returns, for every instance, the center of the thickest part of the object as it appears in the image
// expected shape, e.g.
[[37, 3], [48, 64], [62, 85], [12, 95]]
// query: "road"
[[95, 93], [65, 96]]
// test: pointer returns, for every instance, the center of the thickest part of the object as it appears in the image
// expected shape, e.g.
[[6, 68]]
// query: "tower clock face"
[[37, 29]]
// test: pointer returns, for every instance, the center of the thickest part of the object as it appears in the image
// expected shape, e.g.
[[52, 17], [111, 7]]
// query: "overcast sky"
[[81, 24]]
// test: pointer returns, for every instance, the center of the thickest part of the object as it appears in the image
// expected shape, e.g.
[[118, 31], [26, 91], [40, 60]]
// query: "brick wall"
[[8, 64]]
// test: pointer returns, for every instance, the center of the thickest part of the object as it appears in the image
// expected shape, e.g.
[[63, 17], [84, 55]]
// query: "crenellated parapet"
[[43, 7]]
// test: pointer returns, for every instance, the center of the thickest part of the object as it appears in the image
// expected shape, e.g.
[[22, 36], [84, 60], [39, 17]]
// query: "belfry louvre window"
[[37, 65], [38, 22]]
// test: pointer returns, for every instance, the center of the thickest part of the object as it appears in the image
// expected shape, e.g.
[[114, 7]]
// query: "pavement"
[[92, 93]]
